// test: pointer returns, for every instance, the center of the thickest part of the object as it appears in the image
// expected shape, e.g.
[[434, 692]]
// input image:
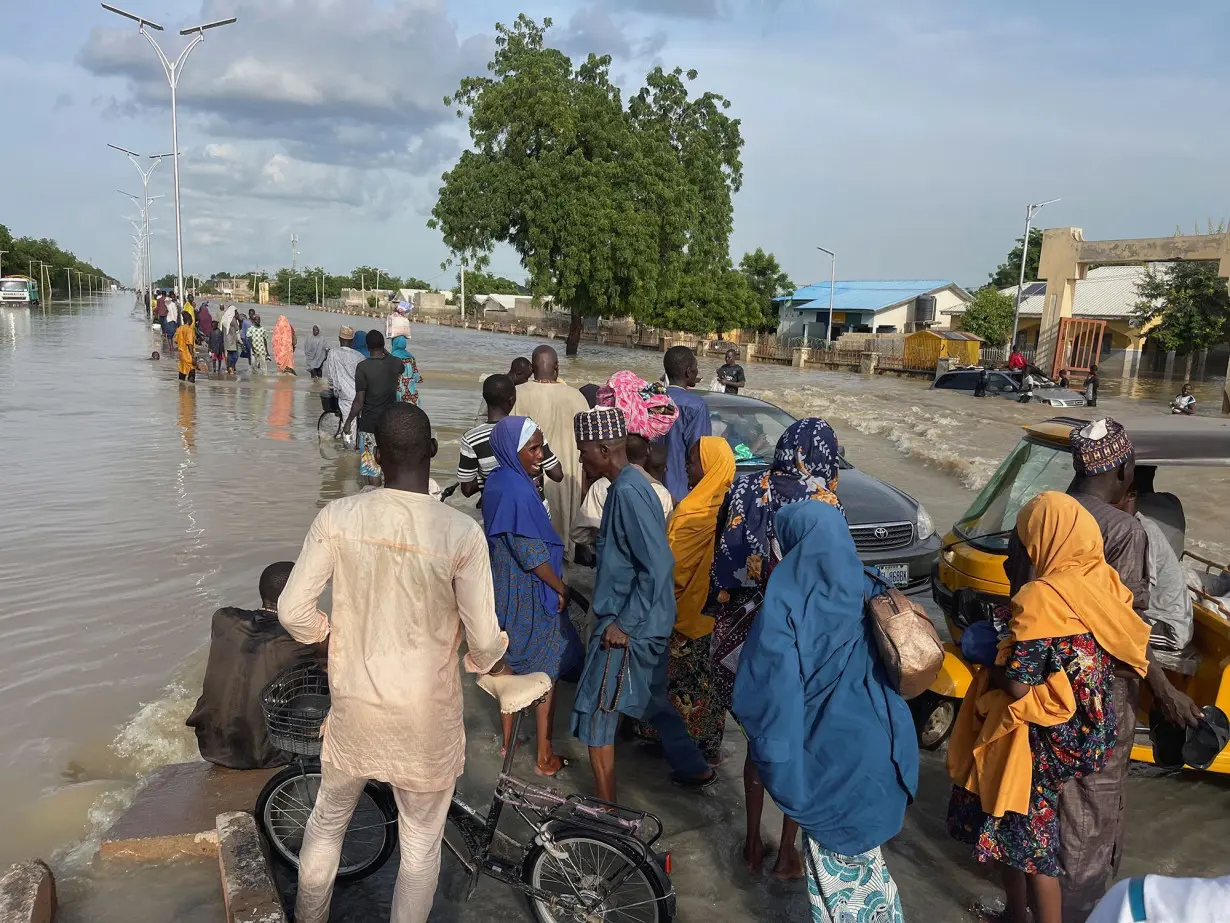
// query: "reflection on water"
[[134, 505]]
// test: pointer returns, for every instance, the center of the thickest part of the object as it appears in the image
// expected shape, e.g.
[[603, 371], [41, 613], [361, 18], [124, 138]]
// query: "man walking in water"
[[552, 405], [339, 371], [682, 373], [634, 604], [409, 574]]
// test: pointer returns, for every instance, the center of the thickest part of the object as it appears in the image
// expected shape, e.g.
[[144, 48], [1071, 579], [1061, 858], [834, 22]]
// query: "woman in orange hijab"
[[692, 533], [1042, 713]]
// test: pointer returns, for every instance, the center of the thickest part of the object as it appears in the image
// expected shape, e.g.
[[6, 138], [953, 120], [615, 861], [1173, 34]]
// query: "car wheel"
[[934, 717]]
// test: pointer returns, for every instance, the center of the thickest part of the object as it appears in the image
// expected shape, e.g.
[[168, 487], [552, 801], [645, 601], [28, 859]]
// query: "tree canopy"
[[1009, 271], [989, 316], [612, 210], [767, 279], [22, 254], [1189, 302]]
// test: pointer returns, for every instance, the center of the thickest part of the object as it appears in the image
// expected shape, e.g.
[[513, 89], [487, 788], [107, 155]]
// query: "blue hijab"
[[360, 343], [834, 743], [511, 505], [805, 466]]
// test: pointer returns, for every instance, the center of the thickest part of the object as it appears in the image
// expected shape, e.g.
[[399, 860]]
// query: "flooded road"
[[133, 506]]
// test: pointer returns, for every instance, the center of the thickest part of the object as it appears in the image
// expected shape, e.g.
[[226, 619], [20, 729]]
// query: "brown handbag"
[[910, 648]]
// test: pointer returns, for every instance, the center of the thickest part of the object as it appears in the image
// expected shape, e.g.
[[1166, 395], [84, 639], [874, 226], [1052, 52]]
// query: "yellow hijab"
[[692, 532], [1075, 592]]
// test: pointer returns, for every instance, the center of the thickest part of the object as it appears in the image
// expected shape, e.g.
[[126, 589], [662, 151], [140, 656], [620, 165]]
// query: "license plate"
[[896, 574]]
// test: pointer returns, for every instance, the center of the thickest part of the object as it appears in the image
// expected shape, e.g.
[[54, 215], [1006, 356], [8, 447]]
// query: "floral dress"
[[1075, 748], [407, 385]]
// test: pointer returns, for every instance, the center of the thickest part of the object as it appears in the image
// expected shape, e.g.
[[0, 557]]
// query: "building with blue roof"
[[870, 306]]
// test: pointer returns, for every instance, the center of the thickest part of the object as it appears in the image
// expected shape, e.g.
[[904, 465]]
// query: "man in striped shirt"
[[477, 457]]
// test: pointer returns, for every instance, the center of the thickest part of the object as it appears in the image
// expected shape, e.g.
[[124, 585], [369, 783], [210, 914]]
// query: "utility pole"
[[1030, 211], [69, 273], [463, 290]]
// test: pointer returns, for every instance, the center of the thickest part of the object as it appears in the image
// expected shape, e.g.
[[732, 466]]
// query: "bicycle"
[[587, 860], [331, 407]]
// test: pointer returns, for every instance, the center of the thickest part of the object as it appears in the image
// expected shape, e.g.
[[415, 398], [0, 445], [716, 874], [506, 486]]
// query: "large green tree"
[[767, 279], [612, 211], [989, 316], [1189, 303], [22, 255], [1009, 271]]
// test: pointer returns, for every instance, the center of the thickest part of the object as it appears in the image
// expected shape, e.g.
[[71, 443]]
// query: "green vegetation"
[[767, 280], [612, 210], [1190, 302], [21, 252], [1009, 271], [989, 316]]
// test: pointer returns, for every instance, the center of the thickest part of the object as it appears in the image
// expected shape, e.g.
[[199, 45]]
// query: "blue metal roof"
[[863, 294]]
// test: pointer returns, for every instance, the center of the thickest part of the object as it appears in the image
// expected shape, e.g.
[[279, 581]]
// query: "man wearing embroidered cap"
[[339, 369], [1092, 810], [634, 605]]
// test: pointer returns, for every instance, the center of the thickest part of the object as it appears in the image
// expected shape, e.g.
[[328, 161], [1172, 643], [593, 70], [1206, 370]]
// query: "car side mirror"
[[841, 450]]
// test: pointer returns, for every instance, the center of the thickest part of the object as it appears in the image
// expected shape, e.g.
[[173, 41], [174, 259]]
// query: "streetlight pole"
[[145, 175], [173, 70], [828, 327], [1030, 211]]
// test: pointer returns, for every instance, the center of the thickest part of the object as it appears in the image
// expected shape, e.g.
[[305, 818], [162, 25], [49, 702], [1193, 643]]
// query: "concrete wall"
[[433, 304]]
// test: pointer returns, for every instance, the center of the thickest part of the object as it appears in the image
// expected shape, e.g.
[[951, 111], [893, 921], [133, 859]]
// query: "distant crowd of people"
[[716, 594]]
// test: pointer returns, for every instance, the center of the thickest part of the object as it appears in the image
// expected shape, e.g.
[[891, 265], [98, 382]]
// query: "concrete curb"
[[247, 885], [28, 893]]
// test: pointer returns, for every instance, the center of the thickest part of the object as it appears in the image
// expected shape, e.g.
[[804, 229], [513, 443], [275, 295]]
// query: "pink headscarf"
[[647, 407]]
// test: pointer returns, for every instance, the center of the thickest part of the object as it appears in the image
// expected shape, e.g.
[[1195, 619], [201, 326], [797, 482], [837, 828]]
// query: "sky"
[[905, 135]]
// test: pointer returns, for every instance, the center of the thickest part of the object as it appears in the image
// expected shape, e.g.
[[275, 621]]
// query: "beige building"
[[1108, 294]]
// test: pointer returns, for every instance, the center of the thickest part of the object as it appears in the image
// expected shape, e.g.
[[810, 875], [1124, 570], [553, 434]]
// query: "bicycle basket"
[[329, 402], [295, 705]]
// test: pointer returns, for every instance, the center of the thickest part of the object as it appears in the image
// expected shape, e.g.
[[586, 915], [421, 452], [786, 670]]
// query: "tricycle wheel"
[[934, 717]]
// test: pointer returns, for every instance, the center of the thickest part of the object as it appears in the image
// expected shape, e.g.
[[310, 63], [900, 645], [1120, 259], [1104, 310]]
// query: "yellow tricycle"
[[968, 582]]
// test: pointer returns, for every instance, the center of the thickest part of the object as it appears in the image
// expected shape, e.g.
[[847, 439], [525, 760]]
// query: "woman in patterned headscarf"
[[805, 467]]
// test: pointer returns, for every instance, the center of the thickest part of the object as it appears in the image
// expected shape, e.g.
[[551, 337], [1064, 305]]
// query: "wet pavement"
[[135, 506]]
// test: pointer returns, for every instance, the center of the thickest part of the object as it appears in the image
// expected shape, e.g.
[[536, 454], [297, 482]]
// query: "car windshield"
[[751, 430], [12, 285], [1031, 468]]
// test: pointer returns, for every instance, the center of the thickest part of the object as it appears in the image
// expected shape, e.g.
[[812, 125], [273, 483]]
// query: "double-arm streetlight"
[[143, 204], [173, 69], [828, 327], [1030, 211]]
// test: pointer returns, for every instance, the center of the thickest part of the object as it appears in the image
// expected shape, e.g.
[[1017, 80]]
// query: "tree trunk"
[[574, 334], [1187, 371]]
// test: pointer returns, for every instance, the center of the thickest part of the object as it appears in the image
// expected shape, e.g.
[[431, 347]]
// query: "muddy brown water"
[[133, 506]]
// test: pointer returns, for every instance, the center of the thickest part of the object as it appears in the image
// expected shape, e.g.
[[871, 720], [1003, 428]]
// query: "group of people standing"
[[712, 590]]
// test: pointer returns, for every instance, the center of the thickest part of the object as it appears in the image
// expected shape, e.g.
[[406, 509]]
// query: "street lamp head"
[[1047, 202], [143, 22], [208, 25], [159, 156], [829, 252], [123, 150]]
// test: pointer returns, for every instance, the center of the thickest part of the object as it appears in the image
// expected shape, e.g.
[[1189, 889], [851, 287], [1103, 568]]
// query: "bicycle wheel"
[[590, 861], [286, 801], [329, 425]]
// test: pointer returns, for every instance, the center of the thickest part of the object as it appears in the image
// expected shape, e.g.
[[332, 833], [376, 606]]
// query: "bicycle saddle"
[[515, 692]]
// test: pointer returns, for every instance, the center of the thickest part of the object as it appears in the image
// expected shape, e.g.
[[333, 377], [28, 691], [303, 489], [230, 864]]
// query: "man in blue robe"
[[682, 372], [634, 605]]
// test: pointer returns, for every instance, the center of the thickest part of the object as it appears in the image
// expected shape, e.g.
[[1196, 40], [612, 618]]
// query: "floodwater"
[[133, 506]]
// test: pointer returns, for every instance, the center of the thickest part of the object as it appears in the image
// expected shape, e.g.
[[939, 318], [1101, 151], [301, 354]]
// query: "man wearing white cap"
[[339, 371]]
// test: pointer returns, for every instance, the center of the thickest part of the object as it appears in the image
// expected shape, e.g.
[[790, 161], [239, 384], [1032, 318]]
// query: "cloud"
[[314, 73], [687, 9]]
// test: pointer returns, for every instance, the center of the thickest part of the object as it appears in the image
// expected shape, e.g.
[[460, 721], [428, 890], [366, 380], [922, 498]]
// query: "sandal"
[[695, 783], [564, 763]]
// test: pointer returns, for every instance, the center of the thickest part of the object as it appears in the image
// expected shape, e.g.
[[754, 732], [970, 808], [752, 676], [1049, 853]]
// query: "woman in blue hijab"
[[360, 343], [527, 567], [408, 384], [805, 467], [833, 742]]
